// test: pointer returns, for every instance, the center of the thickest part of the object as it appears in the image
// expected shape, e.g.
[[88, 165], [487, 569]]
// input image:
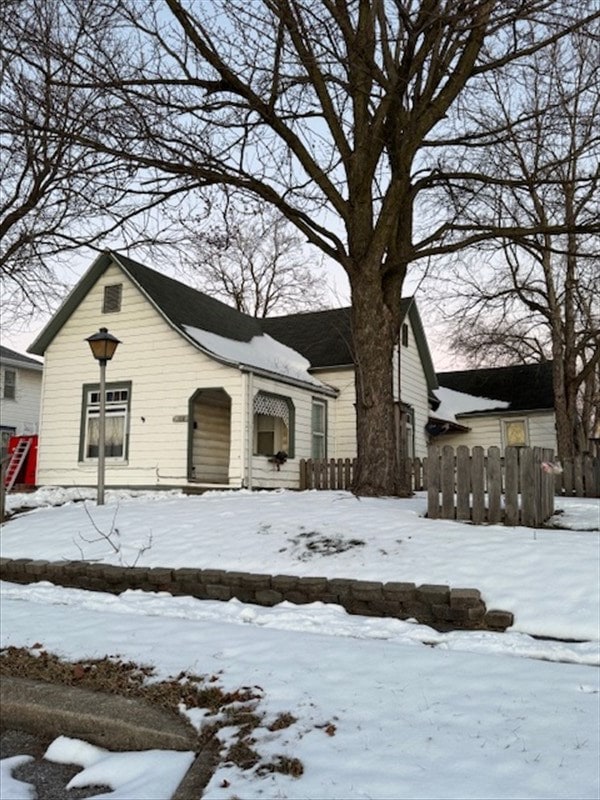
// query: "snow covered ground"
[[383, 708], [547, 578]]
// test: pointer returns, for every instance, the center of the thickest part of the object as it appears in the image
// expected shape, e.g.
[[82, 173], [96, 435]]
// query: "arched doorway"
[[209, 439]]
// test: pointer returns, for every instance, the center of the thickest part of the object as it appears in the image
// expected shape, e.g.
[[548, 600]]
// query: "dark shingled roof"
[[8, 355], [322, 337], [525, 386], [186, 306]]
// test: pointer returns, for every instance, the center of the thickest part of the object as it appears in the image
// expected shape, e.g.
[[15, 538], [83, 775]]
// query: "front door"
[[210, 432]]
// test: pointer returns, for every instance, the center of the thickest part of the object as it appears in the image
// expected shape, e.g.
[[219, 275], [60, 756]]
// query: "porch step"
[[208, 487]]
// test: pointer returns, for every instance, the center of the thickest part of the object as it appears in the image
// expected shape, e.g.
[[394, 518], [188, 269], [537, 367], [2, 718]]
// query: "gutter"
[[36, 366], [264, 373], [247, 446], [504, 412]]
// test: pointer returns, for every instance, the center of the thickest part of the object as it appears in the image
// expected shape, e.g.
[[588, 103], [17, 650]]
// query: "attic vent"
[[272, 407], [112, 298]]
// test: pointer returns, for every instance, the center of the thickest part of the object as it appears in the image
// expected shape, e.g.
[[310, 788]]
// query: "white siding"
[[414, 392], [165, 371], [22, 413], [265, 474], [341, 428], [486, 431], [413, 385]]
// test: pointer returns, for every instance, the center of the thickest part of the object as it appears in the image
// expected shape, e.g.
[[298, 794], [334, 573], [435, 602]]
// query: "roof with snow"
[[312, 340], [523, 387]]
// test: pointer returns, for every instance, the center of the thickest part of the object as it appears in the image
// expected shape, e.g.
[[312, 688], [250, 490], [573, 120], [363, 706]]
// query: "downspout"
[[249, 428]]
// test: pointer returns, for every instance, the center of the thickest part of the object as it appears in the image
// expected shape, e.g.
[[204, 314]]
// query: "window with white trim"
[[9, 384], [273, 424], [319, 429], [118, 398]]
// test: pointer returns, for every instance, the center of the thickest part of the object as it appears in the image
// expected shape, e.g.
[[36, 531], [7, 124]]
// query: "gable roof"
[[14, 359], [324, 338], [179, 303], [524, 387]]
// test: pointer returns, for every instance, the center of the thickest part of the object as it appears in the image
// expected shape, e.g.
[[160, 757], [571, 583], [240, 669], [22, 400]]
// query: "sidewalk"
[[34, 713]]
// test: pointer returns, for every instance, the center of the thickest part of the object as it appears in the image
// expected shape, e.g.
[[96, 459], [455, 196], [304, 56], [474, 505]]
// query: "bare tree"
[[57, 195], [255, 258], [332, 112], [538, 297]]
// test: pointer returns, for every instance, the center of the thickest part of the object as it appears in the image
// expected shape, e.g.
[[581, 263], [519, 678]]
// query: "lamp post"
[[103, 345]]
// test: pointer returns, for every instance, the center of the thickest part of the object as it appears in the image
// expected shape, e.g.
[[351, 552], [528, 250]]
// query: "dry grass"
[[114, 676]]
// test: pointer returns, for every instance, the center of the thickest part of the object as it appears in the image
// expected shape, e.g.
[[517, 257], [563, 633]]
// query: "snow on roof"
[[453, 403], [261, 352]]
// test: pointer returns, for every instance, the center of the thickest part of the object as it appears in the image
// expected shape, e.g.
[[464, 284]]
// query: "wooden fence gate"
[[485, 488]]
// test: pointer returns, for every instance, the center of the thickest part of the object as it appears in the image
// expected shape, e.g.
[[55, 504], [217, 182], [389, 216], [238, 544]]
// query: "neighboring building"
[[20, 392], [201, 393], [498, 406]]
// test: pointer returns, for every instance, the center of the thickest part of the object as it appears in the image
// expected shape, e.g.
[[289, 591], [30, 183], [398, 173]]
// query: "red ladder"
[[17, 459]]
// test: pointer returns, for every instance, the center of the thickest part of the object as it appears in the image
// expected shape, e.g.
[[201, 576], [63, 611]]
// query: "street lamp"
[[103, 346]]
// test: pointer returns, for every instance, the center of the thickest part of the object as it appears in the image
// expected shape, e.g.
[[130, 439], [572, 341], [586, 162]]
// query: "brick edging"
[[436, 605]]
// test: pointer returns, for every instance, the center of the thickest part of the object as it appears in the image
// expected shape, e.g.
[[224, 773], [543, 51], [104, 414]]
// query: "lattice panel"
[[272, 407]]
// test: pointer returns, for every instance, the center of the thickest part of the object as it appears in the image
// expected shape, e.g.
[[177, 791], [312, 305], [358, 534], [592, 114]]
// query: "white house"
[[20, 392], [498, 406], [199, 393]]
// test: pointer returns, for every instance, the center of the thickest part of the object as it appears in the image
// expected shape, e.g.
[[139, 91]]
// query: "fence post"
[[477, 484], [447, 481], [511, 486], [302, 474], [433, 482], [547, 486], [588, 476], [578, 477], [527, 481], [463, 482], [494, 483]]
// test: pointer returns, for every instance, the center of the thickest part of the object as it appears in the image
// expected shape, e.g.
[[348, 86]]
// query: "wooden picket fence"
[[580, 476], [334, 473], [484, 488]]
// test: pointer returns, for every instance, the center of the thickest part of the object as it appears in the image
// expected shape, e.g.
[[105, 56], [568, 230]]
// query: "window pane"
[[92, 439], [264, 422], [516, 434], [318, 417], [114, 435], [115, 427], [265, 443], [318, 446], [10, 380]]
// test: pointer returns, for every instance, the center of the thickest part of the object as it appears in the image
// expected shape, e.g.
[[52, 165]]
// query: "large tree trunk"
[[565, 406], [375, 328]]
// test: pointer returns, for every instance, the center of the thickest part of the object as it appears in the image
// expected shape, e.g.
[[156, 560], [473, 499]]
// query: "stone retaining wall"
[[438, 606]]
